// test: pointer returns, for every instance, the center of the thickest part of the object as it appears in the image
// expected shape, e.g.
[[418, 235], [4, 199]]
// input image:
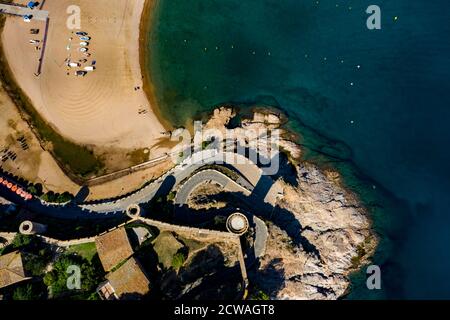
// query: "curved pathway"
[[249, 172], [205, 176], [250, 176]]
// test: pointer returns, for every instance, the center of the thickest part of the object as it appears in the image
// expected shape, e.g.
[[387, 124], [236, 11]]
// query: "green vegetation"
[[206, 144], [75, 158], [166, 247], [139, 156], [91, 276], [360, 253], [179, 259], [57, 197], [115, 268], [35, 189], [85, 250], [171, 196], [259, 295], [35, 254], [35, 264], [27, 292], [21, 240]]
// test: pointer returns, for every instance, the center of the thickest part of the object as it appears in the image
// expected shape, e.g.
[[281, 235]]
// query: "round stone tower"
[[29, 227], [237, 223], [133, 211]]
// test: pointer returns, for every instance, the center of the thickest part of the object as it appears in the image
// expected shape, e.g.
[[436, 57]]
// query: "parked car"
[[89, 68], [34, 31], [83, 49], [74, 64], [35, 41], [84, 44], [81, 33], [85, 38]]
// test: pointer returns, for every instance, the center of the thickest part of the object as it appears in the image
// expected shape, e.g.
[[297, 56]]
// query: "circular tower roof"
[[133, 211], [237, 223]]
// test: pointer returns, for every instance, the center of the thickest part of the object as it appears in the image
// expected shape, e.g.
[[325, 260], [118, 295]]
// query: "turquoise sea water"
[[384, 124]]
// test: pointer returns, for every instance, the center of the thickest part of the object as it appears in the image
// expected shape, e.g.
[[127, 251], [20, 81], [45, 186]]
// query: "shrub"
[[27, 292], [178, 260]]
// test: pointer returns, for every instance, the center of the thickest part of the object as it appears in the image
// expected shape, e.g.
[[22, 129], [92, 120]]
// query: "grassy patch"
[[75, 158], [166, 247], [85, 250], [139, 156]]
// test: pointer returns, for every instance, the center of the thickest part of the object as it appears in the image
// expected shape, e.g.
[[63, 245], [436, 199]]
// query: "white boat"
[[27, 18]]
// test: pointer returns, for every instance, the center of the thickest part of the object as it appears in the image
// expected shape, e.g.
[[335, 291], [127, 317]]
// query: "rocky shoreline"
[[319, 234]]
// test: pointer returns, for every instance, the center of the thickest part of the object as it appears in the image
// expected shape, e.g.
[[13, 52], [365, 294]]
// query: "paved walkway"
[[162, 186], [178, 174], [207, 176], [16, 10]]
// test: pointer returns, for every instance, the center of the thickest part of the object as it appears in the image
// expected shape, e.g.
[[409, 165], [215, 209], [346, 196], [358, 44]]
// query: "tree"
[[64, 197], [21, 240], [49, 196], [27, 292], [57, 278], [34, 265]]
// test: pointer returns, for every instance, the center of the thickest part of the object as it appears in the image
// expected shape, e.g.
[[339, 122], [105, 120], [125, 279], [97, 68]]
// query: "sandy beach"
[[22, 155], [106, 109]]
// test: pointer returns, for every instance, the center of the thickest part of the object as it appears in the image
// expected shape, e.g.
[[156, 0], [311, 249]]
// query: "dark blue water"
[[389, 130]]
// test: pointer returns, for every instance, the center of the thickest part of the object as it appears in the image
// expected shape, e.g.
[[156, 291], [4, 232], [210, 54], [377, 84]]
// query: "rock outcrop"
[[333, 238], [318, 231]]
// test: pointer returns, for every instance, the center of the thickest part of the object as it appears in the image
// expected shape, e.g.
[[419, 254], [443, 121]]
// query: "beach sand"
[[31, 162], [103, 110]]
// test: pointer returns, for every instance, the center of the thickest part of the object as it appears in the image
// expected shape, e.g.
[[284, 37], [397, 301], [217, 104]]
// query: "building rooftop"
[[11, 269], [129, 281], [113, 248]]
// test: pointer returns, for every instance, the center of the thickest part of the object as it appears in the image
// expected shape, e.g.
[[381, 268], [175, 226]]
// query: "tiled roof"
[[129, 281], [113, 248], [11, 269]]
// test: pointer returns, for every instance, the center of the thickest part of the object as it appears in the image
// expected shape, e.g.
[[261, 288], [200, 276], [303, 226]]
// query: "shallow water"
[[383, 124]]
